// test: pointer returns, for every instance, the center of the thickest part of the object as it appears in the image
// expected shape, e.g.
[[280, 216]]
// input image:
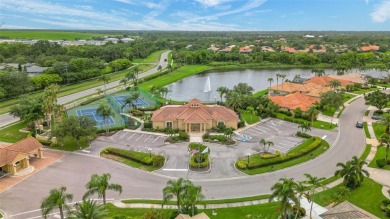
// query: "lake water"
[[193, 86]]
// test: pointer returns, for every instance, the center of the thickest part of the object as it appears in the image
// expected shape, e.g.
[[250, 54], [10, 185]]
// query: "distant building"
[[369, 48], [35, 70], [288, 49], [246, 49], [213, 48], [267, 49], [308, 36], [126, 40]]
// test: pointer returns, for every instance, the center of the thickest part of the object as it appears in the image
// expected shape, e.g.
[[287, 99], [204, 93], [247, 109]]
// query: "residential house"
[[267, 49], [310, 89], [325, 81], [198, 216], [15, 157], [288, 49], [127, 40], [246, 49], [347, 210], [352, 77], [213, 48], [294, 101], [194, 117], [369, 48], [227, 49], [34, 70]]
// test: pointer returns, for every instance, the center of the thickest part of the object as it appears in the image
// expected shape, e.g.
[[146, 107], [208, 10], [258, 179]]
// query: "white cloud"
[[211, 3], [255, 12], [367, 1], [130, 2], [381, 12]]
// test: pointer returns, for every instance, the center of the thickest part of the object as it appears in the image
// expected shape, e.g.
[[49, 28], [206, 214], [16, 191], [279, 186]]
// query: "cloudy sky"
[[267, 15]]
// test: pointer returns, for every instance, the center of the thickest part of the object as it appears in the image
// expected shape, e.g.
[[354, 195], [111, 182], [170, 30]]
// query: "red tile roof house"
[[246, 49], [294, 101], [288, 49], [369, 48], [325, 81], [194, 117], [16, 156]]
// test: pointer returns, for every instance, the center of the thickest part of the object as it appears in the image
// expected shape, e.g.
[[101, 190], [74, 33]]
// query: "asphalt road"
[[73, 171], [6, 118]]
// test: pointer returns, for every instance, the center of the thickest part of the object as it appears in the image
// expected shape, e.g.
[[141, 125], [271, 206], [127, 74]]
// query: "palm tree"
[[269, 143], [99, 91], [277, 81], [251, 111], [105, 79], [234, 100], [222, 91], [99, 184], [305, 127], [89, 209], [313, 183], [56, 199], [385, 140], [155, 90], [50, 101], [334, 84], [340, 195], [105, 112], [352, 172], [175, 188], [284, 191], [270, 80], [282, 76], [263, 143], [312, 112], [136, 71], [130, 100], [124, 81], [385, 121], [130, 76], [192, 196], [163, 92]]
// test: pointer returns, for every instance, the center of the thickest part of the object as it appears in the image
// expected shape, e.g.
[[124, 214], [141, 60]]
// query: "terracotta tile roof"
[[347, 210], [294, 101], [25, 146], [245, 49], [325, 80], [288, 49], [369, 48], [352, 77], [192, 113]]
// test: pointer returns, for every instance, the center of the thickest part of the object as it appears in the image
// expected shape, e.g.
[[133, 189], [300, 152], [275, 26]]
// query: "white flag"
[[205, 150]]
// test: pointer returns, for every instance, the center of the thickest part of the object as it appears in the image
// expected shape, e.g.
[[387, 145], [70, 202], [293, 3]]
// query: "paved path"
[[6, 119]]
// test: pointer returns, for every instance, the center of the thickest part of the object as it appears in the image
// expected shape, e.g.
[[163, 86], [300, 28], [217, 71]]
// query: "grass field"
[[11, 133], [365, 126], [250, 118], [129, 162], [176, 75], [366, 152], [348, 97], [264, 211], [363, 91], [152, 58], [48, 34], [313, 154], [380, 154], [368, 197], [378, 129]]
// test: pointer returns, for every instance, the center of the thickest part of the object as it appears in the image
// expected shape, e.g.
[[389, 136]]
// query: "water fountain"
[[207, 86]]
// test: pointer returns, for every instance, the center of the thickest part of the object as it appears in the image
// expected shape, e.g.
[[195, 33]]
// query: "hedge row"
[[220, 138], [140, 157], [243, 164], [303, 135], [270, 156], [203, 157]]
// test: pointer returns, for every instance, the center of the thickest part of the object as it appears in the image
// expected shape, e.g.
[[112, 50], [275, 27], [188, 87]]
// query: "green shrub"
[[381, 163], [148, 125], [241, 164], [44, 142], [136, 112], [90, 101], [111, 129], [143, 158], [303, 135], [286, 157], [158, 161], [269, 156], [241, 124], [184, 136], [204, 161]]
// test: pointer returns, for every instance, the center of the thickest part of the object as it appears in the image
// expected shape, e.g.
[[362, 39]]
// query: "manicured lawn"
[[329, 112], [176, 75], [366, 152], [11, 133], [249, 117], [383, 85], [368, 197], [348, 97], [70, 144], [378, 129], [340, 112], [365, 126], [367, 112], [313, 154], [260, 93], [316, 124], [380, 154], [264, 211], [363, 91], [154, 57], [48, 35]]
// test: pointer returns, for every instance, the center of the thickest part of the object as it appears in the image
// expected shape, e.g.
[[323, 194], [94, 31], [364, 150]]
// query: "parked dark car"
[[376, 117], [359, 124]]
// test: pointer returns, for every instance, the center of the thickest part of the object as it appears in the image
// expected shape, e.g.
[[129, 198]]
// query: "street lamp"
[[150, 152], [248, 156], [215, 99], [170, 99]]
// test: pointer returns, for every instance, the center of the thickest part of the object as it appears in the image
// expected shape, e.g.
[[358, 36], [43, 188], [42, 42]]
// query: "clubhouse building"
[[194, 117], [15, 157]]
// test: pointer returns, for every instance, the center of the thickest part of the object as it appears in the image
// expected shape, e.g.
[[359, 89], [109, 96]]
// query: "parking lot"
[[280, 132]]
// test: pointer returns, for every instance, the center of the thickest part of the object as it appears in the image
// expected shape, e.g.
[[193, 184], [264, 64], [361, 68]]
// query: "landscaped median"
[[141, 160], [308, 149], [199, 157], [316, 124]]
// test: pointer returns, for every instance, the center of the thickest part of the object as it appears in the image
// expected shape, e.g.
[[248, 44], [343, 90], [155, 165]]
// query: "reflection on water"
[[193, 86]]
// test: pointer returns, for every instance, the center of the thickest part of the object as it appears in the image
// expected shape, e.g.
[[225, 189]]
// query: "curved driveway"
[[6, 118], [74, 170]]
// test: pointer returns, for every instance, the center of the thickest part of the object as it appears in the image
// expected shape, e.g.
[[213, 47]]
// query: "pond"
[[194, 86]]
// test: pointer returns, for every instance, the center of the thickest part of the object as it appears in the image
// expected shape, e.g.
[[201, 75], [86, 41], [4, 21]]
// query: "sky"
[[197, 15]]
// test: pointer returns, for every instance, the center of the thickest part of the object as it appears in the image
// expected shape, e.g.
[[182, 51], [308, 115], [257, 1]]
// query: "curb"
[[4, 214]]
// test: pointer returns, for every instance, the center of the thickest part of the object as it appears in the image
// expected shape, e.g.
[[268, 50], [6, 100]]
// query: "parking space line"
[[148, 138], [139, 137], [260, 130], [131, 136], [123, 135], [155, 139]]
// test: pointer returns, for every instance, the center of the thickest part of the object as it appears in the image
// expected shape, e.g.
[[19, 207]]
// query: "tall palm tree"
[[352, 172], [251, 111], [234, 100], [105, 112], [130, 76], [304, 127], [277, 81], [164, 92], [105, 79], [284, 191], [282, 76], [312, 112], [385, 140], [313, 183], [334, 84], [57, 199], [50, 101], [175, 188], [124, 81], [89, 209], [99, 184], [222, 91], [192, 196], [269, 144], [263, 143], [270, 80], [130, 100], [136, 71]]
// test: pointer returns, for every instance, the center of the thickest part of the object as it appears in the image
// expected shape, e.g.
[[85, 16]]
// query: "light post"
[[150, 152], [215, 99], [170, 99], [248, 157]]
